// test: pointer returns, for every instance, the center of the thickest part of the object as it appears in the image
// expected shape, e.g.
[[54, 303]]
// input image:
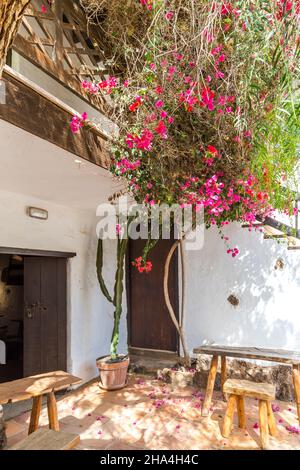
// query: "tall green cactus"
[[118, 288]]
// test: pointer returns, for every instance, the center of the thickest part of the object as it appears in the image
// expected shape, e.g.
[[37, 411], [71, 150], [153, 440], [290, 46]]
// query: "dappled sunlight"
[[150, 414]]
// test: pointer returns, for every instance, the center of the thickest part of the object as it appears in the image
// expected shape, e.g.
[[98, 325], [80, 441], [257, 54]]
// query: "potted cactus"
[[113, 368]]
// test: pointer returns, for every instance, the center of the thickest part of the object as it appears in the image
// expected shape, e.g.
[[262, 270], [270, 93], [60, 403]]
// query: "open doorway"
[[11, 316], [33, 313]]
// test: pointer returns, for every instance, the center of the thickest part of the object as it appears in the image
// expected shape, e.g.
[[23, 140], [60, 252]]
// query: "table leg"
[[210, 385], [35, 414], [223, 376], [52, 412], [296, 380]]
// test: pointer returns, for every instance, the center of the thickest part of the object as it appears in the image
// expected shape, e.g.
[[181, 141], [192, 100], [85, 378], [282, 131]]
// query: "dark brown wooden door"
[[45, 318], [150, 325]]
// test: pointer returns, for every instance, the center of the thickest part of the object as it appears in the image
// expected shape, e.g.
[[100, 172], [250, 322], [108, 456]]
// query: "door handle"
[[29, 310]]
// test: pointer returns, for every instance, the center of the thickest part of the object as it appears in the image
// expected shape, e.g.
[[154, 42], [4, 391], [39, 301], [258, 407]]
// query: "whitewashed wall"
[[269, 311], [89, 314]]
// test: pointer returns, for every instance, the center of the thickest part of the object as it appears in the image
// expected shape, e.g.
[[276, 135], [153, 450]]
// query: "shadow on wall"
[[265, 280]]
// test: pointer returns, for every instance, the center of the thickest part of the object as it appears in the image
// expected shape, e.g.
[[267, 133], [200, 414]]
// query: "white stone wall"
[[268, 314]]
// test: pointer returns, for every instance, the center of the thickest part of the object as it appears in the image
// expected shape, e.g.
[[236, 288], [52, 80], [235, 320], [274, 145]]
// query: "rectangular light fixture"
[[37, 213]]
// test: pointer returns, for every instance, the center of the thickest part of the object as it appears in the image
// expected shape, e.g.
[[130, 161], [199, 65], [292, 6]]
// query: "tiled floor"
[[149, 414]]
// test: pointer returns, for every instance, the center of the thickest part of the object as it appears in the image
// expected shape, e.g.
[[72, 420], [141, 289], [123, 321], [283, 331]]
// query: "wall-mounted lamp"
[[37, 213]]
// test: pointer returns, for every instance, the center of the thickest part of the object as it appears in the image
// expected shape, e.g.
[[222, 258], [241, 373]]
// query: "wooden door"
[[45, 318], [150, 325]]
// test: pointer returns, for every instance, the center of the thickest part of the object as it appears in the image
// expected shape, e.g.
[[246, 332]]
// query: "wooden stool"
[[46, 439], [237, 391]]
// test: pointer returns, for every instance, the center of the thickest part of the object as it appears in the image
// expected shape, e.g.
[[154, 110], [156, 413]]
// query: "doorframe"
[[128, 300], [32, 252]]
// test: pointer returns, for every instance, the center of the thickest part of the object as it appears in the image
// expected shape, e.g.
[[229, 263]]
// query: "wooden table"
[[35, 387], [274, 355]]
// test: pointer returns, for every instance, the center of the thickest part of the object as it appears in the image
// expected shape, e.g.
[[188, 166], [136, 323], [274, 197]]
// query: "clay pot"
[[113, 373]]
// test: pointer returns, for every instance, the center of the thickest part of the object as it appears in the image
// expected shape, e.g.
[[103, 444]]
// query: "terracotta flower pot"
[[113, 373]]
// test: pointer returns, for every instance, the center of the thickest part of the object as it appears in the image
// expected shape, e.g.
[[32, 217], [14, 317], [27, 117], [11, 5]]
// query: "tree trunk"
[[178, 324], [11, 12], [2, 430]]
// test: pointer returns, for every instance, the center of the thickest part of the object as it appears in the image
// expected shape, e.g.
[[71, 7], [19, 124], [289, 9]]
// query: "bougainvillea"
[[205, 96]]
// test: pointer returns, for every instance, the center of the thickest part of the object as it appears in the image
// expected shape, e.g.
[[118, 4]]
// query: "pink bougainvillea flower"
[[226, 9], [171, 120], [159, 90], [275, 408], [43, 9], [144, 142], [147, 3], [78, 122], [219, 74], [161, 129], [211, 149], [163, 114], [142, 267], [208, 36], [216, 50], [169, 15], [234, 252], [152, 66], [159, 104], [126, 83], [221, 58], [208, 98], [208, 79], [293, 429]]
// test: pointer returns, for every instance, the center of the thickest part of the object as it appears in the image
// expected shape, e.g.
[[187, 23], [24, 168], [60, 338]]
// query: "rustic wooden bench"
[[274, 355], [46, 439], [238, 390], [35, 387]]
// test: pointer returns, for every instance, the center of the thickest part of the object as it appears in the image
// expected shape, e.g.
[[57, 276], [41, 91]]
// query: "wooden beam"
[[26, 108]]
